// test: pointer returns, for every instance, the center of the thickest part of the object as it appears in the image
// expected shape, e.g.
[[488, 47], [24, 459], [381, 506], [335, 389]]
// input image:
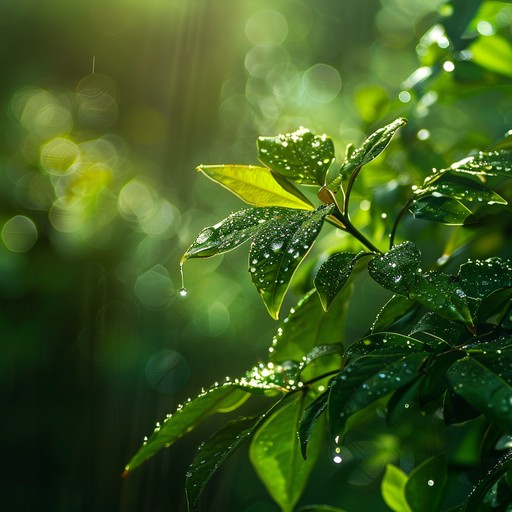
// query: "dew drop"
[[183, 292]]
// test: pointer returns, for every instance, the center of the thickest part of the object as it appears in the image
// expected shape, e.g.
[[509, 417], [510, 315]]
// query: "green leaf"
[[385, 343], [393, 489], [440, 209], [444, 329], [396, 270], [308, 325], [308, 420], [493, 53], [365, 380], [394, 310], [213, 453], [223, 398], [278, 250], [477, 498], [473, 195], [426, 484], [271, 377], [300, 156], [320, 508], [334, 274], [478, 279], [492, 163], [484, 379], [403, 401], [275, 455], [321, 351], [230, 233], [254, 185], [370, 149], [439, 293]]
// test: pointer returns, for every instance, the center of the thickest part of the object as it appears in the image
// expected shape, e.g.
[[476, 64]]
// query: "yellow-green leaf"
[[255, 185]]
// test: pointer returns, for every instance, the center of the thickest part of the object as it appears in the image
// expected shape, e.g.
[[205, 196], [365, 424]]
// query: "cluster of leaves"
[[441, 345]]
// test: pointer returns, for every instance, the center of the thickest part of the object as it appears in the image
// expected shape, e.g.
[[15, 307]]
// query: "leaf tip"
[[126, 472]]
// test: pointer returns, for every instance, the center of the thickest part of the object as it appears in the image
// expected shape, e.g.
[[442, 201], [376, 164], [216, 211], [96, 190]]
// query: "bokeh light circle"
[[322, 83], [266, 28], [19, 234], [167, 371]]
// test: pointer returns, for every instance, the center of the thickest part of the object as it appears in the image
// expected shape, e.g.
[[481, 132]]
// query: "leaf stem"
[[350, 228], [397, 221]]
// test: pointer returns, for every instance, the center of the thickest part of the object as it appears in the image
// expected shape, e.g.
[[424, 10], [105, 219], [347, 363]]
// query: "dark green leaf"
[[278, 250], [322, 351], [477, 497], [403, 401], [365, 380], [320, 508], [300, 156], [213, 453], [478, 279], [396, 270], [440, 209], [426, 484], [333, 275], [275, 455], [231, 232], [385, 343], [444, 329], [439, 293], [309, 418], [271, 377], [472, 194], [223, 398], [394, 310], [254, 185], [492, 163], [484, 379], [393, 489], [307, 326]]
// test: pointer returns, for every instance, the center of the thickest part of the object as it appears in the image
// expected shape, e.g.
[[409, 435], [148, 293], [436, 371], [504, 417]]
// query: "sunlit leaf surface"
[[254, 185], [275, 454], [300, 156], [278, 250]]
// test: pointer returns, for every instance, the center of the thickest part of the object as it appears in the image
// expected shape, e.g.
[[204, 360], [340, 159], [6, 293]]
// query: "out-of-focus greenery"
[[107, 108]]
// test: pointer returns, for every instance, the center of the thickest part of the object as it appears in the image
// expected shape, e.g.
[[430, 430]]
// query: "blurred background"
[[107, 107]]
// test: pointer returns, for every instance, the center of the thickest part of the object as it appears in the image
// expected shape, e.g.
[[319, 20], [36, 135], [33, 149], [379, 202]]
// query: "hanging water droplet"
[[183, 292]]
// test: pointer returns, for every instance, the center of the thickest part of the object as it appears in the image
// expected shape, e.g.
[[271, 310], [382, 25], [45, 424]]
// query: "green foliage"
[[437, 355]]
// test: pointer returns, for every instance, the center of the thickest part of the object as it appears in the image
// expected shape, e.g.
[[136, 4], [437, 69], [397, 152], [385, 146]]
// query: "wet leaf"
[[322, 351], [484, 379], [309, 419], [275, 455], [440, 209], [306, 326], [367, 379], [403, 401], [385, 343], [396, 270], [271, 377], [300, 156], [213, 453], [320, 508], [393, 489], [254, 185], [441, 327], [231, 232], [370, 149], [472, 194], [426, 484], [334, 274], [393, 311], [223, 398], [492, 163], [439, 293], [478, 279], [278, 250], [477, 498]]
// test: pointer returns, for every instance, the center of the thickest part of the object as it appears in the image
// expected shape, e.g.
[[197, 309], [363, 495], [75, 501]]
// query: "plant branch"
[[397, 221]]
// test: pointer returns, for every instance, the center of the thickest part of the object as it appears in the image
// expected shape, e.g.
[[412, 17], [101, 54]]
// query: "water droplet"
[[337, 459], [183, 292], [430, 483]]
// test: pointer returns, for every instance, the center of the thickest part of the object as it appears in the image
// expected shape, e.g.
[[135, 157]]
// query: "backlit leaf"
[[393, 489], [300, 156], [278, 250], [493, 53], [395, 309], [213, 453], [254, 185], [275, 455], [492, 163], [223, 398], [309, 419], [440, 209]]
